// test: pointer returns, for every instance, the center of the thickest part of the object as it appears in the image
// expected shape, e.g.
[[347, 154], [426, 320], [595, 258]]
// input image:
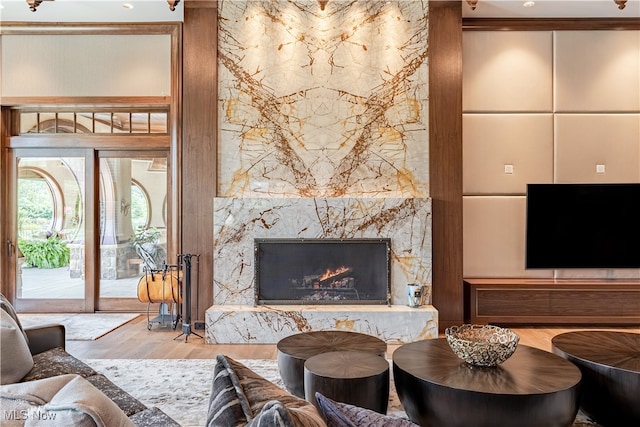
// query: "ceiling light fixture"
[[529, 4], [33, 4], [127, 5], [472, 4], [621, 3]]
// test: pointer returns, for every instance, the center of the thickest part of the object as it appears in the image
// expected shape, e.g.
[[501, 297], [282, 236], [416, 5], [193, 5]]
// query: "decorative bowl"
[[482, 345]]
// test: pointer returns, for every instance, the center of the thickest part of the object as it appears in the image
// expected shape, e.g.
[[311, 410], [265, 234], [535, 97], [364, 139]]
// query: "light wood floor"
[[134, 341]]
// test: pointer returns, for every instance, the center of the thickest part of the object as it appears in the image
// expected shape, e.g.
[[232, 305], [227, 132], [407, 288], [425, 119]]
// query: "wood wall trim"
[[89, 28], [549, 24], [94, 141], [6, 274], [174, 193], [200, 4], [71, 103], [199, 151], [445, 159]]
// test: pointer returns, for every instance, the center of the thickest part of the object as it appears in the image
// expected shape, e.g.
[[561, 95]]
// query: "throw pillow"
[[6, 306], [240, 397], [65, 400], [273, 414], [228, 405], [338, 414], [259, 391], [14, 351]]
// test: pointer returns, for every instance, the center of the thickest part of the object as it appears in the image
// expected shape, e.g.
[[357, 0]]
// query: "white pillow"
[[6, 306], [15, 357], [63, 400]]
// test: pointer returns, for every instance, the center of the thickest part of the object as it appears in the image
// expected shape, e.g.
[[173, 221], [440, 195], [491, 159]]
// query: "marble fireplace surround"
[[322, 134], [238, 221]]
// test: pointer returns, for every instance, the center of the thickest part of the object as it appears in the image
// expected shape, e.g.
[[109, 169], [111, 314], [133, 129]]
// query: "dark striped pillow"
[[273, 414], [228, 406], [241, 397]]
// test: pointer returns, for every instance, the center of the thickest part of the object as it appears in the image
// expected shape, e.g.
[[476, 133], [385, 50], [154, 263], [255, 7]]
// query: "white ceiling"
[[551, 9], [91, 11], [158, 10]]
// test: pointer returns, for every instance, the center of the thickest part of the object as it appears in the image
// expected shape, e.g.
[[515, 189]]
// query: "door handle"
[[9, 248]]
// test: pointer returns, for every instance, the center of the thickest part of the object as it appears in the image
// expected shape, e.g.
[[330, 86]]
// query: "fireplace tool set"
[[186, 303], [163, 286]]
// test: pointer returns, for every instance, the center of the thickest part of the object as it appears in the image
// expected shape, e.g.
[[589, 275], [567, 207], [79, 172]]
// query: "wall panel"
[[494, 244], [597, 71], [504, 152], [585, 141], [507, 71], [86, 65]]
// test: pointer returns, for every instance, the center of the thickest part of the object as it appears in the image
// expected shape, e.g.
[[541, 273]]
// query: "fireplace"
[[322, 271]]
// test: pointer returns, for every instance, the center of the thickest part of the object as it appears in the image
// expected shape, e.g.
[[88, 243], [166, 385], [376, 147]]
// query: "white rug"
[[80, 326], [181, 387]]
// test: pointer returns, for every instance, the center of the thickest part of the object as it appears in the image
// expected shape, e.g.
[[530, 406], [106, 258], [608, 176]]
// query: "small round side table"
[[294, 350], [354, 377]]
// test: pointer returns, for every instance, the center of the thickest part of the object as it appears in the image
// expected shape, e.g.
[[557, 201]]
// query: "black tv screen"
[[583, 226]]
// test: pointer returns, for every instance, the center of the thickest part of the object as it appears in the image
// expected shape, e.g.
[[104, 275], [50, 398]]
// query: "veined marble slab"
[[323, 103], [396, 324]]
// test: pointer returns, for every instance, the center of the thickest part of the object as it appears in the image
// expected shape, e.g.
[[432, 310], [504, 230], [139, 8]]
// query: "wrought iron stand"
[[186, 296]]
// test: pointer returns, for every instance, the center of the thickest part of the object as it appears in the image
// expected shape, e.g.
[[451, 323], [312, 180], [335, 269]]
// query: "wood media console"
[[552, 302]]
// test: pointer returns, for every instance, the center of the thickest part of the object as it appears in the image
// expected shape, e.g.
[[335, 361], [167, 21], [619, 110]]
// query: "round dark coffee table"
[[355, 377], [532, 388], [294, 350], [610, 365]]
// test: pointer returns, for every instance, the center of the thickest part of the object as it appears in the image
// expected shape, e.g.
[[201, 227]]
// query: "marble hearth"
[[395, 324], [234, 318]]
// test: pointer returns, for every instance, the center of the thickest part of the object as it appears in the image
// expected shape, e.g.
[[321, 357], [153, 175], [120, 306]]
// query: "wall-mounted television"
[[583, 226]]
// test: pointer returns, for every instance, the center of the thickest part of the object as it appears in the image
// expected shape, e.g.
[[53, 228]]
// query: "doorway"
[[88, 223]]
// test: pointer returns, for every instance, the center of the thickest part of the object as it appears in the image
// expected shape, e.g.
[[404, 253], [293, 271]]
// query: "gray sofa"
[[46, 344]]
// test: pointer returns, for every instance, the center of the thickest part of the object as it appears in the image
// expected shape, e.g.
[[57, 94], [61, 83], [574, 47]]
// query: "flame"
[[331, 273]]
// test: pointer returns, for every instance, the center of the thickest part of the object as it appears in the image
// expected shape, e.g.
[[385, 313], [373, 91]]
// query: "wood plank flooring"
[[133, 341]]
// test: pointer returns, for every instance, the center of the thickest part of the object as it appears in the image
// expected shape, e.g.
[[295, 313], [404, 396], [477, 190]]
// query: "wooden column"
[[199, 158], [445, 158]]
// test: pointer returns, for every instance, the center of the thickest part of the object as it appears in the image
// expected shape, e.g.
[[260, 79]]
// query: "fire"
[[331, 273]]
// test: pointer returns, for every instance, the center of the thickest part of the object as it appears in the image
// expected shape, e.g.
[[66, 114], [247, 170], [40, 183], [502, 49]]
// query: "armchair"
[[45, 337], [39, 338]]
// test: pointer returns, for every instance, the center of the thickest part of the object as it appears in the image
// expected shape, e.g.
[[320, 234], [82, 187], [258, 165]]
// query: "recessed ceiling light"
[[529, 4], [127, 5]]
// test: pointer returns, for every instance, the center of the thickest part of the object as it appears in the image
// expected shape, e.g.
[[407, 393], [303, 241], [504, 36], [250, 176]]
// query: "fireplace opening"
[[322, 271]]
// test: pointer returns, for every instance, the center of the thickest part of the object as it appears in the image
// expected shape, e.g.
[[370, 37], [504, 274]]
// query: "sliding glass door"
[[87, 225], [53, 223], [133, 231]]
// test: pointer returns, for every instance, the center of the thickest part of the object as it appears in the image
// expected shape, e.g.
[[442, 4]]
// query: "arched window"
[[140, 206], [40, 204]]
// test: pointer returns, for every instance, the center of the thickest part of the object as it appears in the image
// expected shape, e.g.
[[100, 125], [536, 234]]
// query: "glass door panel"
[[50, 206], [133, 193]]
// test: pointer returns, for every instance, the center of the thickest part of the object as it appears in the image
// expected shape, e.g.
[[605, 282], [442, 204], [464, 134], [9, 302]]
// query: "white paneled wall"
[[541, 107]]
